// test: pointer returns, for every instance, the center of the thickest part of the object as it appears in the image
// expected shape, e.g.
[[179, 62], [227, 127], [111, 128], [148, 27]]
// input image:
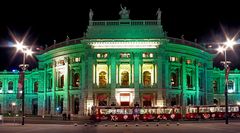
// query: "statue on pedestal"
[[90, 15], [158, 13], [124, 13]]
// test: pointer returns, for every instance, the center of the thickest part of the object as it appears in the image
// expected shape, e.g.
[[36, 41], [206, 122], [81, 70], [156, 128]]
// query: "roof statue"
[[90, 15], [124, 13], [159, 13]]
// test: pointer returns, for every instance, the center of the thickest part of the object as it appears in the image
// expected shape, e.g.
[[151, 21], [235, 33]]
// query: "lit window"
[[125, 55], [98, 55], [102, 79], [146, 78], [173, 59], [147, 55], [151, 55], [102, 55], [76, 80], [231, 86], [61, 62], [124, 78], [188, 61], [77, 59]]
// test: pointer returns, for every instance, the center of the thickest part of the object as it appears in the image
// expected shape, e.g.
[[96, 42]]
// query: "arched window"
[[76, 79], [214, 84], [146, 78], [10, 86], [189, 81], [49, 82], [124, 78], [174, 81], [0, 85], [61, 81], [76, 105], [231, 86], [102, 79], [36, 86]]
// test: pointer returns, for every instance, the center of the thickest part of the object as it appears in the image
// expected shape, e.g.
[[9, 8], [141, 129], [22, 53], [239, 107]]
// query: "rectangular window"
[[147, 55], [76, 59], [173, 59], [125, 55], [102, 55]]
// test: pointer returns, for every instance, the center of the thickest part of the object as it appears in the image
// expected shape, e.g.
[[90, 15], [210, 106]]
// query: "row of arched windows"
[[10, 86], [102, 79]]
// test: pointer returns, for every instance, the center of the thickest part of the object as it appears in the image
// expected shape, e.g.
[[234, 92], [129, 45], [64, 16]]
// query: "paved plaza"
[[122, 127]]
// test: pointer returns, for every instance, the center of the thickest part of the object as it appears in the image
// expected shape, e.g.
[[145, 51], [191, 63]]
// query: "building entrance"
[[124, 96], [125, 99]]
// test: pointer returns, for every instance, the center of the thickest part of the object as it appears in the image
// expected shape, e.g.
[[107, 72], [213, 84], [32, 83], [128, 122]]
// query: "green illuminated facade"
[[123, 62]]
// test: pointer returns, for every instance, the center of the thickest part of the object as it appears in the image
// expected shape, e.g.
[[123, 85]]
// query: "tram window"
[[233, 109], [160, 111], [119, 111], [212, 109], [152, 111], [103, 111], [143, 111], [128, 111], [177, 110], [168, 110], [111, 111]]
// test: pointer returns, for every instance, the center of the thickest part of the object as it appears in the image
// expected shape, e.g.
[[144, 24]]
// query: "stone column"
[[113, 78], [89, 77], [54, 81], [165, 77], [197, 84], [44, 88], [82, 102], [136, 76], [66, 87], [160, 89], [184, 82]]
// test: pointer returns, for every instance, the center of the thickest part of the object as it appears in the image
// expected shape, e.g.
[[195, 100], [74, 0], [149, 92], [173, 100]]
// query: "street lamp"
[[26, 51], [223, 49]]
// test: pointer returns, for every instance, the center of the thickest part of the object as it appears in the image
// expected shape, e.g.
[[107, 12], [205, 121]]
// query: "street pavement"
[[122, 127]]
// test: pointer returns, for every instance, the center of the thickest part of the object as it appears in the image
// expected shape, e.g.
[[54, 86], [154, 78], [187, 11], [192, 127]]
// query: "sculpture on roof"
[[90, 14], [159, 13], [124, 13]]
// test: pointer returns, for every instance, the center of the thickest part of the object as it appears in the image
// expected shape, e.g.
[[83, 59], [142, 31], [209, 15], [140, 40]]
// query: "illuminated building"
[[123, 62]]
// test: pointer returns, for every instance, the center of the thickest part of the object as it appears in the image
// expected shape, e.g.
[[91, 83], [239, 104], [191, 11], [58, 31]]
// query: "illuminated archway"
[[10, 86], [125, 78], [76, 80], [146, 78], [102, 79], [36, 86]]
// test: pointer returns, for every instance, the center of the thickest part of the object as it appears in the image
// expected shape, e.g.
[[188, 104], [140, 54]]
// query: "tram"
[[211, 112], [122, 113], [126, 113]]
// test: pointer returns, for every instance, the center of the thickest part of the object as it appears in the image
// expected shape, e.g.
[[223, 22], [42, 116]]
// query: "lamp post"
[[223, 49], [24, 67]]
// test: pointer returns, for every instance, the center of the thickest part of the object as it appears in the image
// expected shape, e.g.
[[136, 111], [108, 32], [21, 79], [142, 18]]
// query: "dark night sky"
[[48, 21]]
